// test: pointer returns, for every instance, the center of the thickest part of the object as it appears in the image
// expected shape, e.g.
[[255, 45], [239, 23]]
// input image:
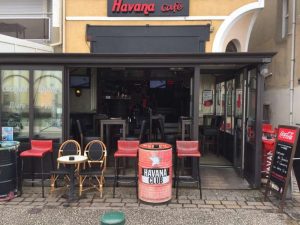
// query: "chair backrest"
[[44, 145], [128, 146], [187, 146], [69, 147], [80, 132], [161, 128], [142, 131], [207, 120], [79, 127], [218, 121], [96, 152]]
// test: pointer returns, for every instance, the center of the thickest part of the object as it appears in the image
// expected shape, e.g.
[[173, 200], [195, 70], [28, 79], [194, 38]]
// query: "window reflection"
[[34, 28], [15, 102], [47, 104]]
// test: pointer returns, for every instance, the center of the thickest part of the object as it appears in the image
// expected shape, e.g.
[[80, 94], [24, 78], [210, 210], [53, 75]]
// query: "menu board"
[[296, 164], [280, 171]]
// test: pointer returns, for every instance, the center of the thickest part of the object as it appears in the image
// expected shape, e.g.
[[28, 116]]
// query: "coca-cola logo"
[[287, 135]]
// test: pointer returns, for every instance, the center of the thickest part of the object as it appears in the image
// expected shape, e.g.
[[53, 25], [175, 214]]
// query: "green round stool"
[[113, 218]]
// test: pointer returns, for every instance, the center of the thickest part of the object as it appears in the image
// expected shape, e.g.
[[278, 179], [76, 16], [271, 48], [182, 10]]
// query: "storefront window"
[[15, 103], [47, 104]]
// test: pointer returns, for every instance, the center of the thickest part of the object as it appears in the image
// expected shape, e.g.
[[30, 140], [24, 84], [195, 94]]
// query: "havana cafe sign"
[[147, 8]]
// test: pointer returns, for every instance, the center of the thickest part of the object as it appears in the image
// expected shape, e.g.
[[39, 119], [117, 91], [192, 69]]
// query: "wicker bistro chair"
[[96, 152], [69, 147]]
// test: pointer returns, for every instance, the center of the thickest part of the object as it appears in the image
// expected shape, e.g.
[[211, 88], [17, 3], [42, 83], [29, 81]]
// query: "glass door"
[[239, 119], [250, 126]]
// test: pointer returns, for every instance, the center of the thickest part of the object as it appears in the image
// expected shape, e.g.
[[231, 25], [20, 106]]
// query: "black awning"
[[206, 61]]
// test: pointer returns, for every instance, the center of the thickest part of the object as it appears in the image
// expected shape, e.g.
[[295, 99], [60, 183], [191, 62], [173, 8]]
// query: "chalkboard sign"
[[296, 164], [280, 171]]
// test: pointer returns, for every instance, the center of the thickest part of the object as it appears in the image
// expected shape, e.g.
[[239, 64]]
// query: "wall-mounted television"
[[80, 81], [157, 84]]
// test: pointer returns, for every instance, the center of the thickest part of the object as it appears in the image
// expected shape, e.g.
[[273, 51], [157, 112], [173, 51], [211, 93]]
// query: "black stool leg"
[[204, 144], [115, 179], [118, 171], [177, 176], [199, 178], [32, 172], [21, 177], [136, 178], [52, 160], [42, 165], [218, 147], [175, 171]]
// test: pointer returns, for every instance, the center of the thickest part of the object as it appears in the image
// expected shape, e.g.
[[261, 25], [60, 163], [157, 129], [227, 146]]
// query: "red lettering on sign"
[[176, 7], [287, 135], [145, 8]]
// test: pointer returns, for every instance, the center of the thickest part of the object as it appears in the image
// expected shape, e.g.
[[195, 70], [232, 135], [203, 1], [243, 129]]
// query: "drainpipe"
[[61, 25], [292, 63], [293, 59]]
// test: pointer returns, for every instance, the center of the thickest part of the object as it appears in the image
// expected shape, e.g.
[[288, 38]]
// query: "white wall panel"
[[278, 99], [15, 7]]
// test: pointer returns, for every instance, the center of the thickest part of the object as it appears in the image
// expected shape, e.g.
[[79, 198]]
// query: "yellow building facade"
[[229, 20]]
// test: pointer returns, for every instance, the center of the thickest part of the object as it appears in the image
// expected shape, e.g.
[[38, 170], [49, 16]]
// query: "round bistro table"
[[72, 160]]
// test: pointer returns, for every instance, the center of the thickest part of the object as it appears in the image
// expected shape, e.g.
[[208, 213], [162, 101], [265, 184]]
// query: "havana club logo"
[[148, 8], [155, 176]]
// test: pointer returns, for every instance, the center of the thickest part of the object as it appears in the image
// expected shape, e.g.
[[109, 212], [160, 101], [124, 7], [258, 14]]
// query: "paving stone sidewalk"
[[236, 207], [238, 201]]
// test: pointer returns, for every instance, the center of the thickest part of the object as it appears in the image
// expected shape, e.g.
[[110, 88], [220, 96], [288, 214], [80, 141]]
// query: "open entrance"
[[136, 94]]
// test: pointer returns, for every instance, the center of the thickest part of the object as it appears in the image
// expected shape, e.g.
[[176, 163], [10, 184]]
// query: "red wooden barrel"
[[155, 172]]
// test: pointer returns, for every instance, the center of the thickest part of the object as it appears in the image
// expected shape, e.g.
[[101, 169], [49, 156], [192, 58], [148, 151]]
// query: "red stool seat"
[[34, 153], [187, 149], [125, 154], [189, 154]]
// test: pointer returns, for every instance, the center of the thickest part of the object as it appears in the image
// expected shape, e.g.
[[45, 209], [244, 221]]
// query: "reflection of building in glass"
[[13, 29], [15, 100], [47, 103]]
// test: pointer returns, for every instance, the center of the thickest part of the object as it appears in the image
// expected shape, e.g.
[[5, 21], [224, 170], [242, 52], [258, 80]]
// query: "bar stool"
[[126, 149], [39, 148], [186, 149]]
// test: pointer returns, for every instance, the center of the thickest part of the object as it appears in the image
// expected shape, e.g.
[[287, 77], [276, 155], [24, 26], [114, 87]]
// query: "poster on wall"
[[207, 98], [238, 107], [7, 133]]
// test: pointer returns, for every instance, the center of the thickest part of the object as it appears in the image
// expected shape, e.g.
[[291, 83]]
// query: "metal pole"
[[292, 75]]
